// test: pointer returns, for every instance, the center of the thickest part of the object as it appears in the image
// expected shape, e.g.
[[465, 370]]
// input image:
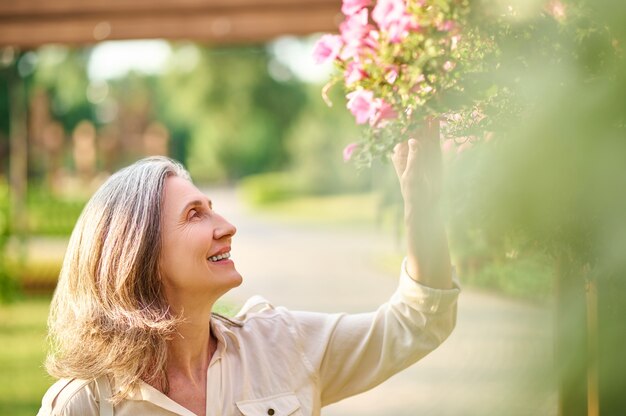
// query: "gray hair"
[[109, 315]]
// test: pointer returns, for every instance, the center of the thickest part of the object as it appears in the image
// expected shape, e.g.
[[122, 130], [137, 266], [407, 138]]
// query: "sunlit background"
[[535, 210]]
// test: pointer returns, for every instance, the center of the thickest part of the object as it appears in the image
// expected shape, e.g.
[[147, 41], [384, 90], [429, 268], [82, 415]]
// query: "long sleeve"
[[353, 353]]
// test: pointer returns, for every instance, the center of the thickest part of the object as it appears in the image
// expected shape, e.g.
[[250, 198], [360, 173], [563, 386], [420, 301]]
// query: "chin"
[[237, 281], [232, 282]]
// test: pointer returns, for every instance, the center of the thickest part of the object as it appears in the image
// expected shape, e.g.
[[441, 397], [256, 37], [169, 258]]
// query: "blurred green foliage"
[[52, 215], [61, 72], [550, 181], [48, 215], [236, 114], [267, 188], [315, 143], [23, 380], [8, 285], [548, 178]]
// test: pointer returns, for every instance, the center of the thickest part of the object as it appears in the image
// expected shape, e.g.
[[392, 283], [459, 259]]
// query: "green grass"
[[23, 381]]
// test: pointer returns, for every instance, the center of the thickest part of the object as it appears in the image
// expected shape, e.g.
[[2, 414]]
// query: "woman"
[[132, 331]]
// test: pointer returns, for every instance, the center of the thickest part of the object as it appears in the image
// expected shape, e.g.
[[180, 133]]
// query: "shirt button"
[[270, 411]]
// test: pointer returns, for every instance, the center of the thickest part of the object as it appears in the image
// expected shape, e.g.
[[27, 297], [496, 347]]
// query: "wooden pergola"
[[31, 23]]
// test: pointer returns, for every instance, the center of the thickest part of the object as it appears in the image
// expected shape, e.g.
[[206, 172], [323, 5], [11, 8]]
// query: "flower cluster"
[[397, 59]]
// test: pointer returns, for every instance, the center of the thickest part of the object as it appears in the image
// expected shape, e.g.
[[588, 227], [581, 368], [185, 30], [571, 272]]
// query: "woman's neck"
[[190, 351]]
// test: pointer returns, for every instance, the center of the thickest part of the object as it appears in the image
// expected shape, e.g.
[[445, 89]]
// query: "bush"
[[52, 216], [316, 142], [266, 188], [529, 277]]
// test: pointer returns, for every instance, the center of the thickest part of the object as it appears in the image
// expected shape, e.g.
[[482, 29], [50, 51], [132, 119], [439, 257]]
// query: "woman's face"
[[195, 245]]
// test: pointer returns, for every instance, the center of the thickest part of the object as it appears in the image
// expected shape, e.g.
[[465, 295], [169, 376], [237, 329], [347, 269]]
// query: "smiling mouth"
[[219, 257]]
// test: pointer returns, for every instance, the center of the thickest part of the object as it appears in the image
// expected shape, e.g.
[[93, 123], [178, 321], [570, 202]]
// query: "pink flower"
[[417, 82], [360, 48], [371, 40], [446, 26], [400, 28], [392, 18], [354, 73], [382, 111], [557, 9], [448, 66], [388, 12], [391, 75], [355, 27], [356, 35], [348, 150], [361, 105], [352, 6], [327, 48]]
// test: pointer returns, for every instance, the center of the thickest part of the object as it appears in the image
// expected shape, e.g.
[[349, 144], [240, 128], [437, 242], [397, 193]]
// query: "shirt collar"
[[148, 393], [221, 327]]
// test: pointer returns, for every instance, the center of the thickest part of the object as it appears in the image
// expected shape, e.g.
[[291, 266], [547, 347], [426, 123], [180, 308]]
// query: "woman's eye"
[[193, 213]]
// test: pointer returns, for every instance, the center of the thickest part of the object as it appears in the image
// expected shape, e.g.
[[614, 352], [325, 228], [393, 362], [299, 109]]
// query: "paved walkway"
[[496, 362]]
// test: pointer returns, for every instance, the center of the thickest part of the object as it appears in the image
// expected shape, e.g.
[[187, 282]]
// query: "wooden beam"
[[32, 8], [212, 27], [30, 23]]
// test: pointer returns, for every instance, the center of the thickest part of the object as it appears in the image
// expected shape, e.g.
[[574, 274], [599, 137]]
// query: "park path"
[[496, 362]]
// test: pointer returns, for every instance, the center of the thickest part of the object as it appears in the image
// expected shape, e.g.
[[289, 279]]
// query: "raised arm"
[[353, 353], [418, 164]]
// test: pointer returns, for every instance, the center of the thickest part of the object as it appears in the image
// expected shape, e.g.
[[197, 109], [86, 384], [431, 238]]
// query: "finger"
[[412, 162], [399, 156]]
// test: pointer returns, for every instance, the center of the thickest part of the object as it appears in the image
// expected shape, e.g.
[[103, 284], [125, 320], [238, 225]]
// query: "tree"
[[236, 114]]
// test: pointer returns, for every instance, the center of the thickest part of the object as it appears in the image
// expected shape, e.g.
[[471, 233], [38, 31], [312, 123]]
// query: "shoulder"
[[258, 309], [68, 397], [270, 335], [258, 319]]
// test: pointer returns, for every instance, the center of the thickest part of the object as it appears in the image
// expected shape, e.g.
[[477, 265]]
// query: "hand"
[[418, 164]]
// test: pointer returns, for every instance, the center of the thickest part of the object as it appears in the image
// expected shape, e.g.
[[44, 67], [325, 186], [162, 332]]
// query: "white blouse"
[[276, 362]]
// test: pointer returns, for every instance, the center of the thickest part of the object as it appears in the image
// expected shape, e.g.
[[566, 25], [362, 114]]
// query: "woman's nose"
[[224, 228]]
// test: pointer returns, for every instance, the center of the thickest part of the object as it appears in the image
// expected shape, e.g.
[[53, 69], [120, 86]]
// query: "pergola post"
[[18, 161]]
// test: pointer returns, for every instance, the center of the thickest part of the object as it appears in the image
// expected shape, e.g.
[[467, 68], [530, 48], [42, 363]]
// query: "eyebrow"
[[196, 203]]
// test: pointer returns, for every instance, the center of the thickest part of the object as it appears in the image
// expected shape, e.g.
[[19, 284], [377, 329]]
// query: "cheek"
[[182, 252], [169, 266]]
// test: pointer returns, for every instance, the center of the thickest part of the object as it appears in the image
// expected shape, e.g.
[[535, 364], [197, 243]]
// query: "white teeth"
[[220, 256]]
